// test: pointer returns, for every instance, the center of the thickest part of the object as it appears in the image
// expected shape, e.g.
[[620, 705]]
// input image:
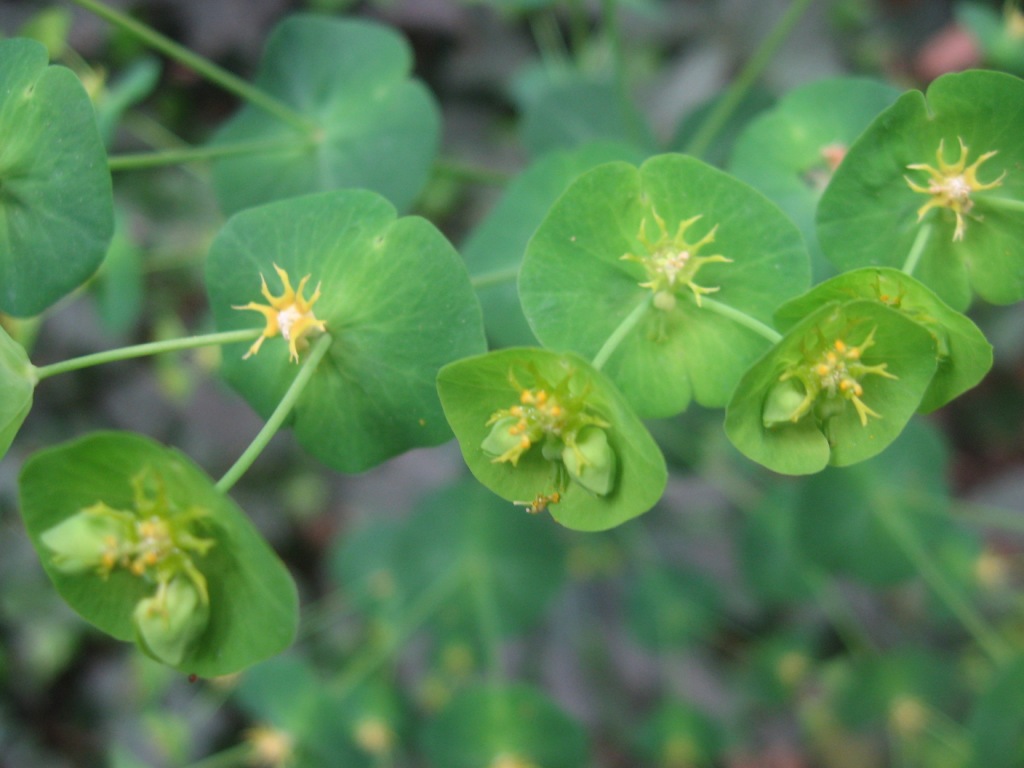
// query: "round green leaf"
[[507, 558], [578, 291], [997, 722], [495, 248], [516, 722], [841, 515], [832, 430], [373, 126], [671, 608], [473, 390], [253, 606], [56, 205], [790, 152], [964, 354], [869, 213], [396, 301], [17, 383]]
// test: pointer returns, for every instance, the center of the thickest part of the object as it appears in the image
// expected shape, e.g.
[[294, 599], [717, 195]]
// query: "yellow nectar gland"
[[538, 414], [951, 184], [672, 261], [540, 502], [837, 372], [289, 314]]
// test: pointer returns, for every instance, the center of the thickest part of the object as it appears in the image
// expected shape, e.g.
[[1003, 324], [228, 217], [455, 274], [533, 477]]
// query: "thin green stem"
[[480, 580], [201, 65], [413, 618], [473, 174], [620, 333], [917, 248], [578, 26], [232, 757], [986, 637], [305, 374], [1002, 203], [755, 65], [498, 277], [144, 350], [742, 318], [610, 19], [141, 160]]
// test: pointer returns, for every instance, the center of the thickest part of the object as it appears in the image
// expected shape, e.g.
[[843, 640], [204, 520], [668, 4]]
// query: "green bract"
[[685, 261], [559, 398], [17, 383], [790, 152], [370, 125], [964, 354], [837, 389], [137, 540], [935, 186], [395, 299], [495, 248], [56, 208]]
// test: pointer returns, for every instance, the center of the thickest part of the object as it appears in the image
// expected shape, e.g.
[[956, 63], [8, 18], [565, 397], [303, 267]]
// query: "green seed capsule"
[[87, 541], [167, 623], [590, 461]]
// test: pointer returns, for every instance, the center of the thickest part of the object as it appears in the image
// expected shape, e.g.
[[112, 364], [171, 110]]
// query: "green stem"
[[473, 174], [232, 757], [755, 65], [627, 325], [497, 277], [742, 318], [140, 160], [144, 350], [480, 580], [305, 374], [986, 638], [201, 65], [917, 248], [413, 618], [1002, 203], [610, 19]]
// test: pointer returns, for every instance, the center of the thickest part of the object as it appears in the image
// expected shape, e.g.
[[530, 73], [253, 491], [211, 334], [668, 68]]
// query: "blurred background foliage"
[[748, 620]]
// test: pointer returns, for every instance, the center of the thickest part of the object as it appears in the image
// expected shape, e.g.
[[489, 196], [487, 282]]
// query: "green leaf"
[[495, 247], [578, 290], [56, 207], [396, 300], [720, 146], [840, 515], [17, 383], [997, 721], [473, 390], [375, 127], [829, 428], [678, 734], [869, 213], [671, 608], [790, 152], [253, 606], [512, 561], [997, 33], [515, 721], [964, 354], [773, 566], [577, 109]]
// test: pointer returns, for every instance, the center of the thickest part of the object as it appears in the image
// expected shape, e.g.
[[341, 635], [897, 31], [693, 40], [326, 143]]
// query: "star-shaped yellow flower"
[[950, 185], [289, 314]]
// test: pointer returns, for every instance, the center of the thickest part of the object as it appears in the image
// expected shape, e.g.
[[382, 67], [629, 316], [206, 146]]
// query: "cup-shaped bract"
[[836, 389], [369, 124], [56, 202], [138, 541], [677, 263], [17, 383], [964, 354], [934, 186], [391, 292], [551, 405]]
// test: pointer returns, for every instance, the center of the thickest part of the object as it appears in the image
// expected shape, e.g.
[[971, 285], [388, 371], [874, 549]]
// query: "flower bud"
[[88, 540], [590, 461], [167, 623]]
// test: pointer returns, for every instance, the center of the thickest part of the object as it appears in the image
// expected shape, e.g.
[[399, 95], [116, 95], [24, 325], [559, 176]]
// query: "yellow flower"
[[950, 185], [289, 314]]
